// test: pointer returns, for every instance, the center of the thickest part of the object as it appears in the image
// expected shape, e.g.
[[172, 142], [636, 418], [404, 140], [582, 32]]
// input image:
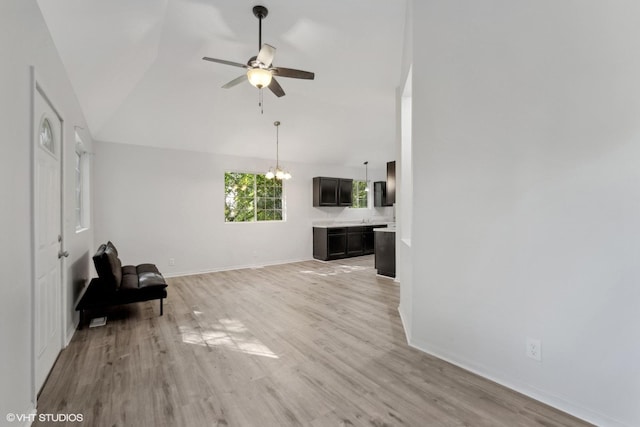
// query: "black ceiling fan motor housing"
[[260, 12]]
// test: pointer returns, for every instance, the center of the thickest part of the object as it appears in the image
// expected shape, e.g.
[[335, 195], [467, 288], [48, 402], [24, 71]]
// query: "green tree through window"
[[359, 194], [252, 197]]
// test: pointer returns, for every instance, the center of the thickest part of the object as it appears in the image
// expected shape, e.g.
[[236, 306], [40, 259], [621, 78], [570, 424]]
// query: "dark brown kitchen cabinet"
[[332, 191], [343, 242], [368, 240], [329, 243], [336, 243], [380, 194], [325, 191], [345, 192], [384, 192], [354, 241], [385, 259], [391, 183]]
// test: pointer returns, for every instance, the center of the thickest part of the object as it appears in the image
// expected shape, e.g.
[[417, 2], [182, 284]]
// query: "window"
[[46, 136], [359, 194], [82, 186], [78, 190], [252, 197]]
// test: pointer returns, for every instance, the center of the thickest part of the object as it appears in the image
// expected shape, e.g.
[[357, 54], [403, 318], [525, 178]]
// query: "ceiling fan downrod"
[[260, 12]]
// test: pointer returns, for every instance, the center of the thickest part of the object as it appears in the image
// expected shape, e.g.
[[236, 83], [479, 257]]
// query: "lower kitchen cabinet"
[[385, 260], [336, 243], [342, 242], [368, 240], [354, 241]]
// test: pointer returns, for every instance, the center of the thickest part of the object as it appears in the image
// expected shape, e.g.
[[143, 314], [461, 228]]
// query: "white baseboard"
[[407, 330], [70, 333], [526, 389]]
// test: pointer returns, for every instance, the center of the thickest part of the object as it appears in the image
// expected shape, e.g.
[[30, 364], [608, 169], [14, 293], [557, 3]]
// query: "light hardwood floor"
[[308, 343]]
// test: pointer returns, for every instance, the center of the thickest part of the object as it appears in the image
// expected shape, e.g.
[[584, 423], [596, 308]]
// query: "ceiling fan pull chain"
[[261, 101]]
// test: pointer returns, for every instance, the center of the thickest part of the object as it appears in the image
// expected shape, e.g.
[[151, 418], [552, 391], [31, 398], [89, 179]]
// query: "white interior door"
[[48, 236]]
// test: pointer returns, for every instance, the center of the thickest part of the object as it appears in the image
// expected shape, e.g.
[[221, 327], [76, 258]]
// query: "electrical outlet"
[[172, 261], [534, 349]]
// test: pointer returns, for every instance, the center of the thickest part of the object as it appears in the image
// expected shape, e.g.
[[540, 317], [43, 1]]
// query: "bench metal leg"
[[80, 322], [161, 299]]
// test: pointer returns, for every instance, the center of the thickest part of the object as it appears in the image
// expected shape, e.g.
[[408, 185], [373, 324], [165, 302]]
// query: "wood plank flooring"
[[302, 344]]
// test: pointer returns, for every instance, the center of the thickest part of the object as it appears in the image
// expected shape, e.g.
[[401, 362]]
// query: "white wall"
[[25, 41], [527, 198], [157, 204], [404, 180], [404, 210]]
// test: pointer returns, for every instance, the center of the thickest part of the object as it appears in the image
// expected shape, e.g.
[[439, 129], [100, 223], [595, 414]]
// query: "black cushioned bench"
[[117, 285]]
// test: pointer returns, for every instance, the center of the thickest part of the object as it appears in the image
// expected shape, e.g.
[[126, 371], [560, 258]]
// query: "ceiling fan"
[[260, 70]]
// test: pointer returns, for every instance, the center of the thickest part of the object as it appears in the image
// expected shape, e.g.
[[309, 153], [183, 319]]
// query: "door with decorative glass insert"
[[47, 236]]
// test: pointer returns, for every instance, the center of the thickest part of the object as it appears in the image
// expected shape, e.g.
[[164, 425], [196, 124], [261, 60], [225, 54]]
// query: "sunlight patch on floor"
[[335, 270], [230, 334]]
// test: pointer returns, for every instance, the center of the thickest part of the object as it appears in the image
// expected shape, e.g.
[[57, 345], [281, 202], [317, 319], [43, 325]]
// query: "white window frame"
[[82, 188], [366, 183], [255, 200]]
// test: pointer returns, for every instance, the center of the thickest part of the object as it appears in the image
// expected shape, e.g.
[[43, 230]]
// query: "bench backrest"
[[108, 266]]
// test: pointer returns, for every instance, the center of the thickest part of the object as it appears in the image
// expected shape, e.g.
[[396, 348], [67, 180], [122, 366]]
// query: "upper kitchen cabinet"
[[345, 192], [380, 194], [332, 191], [384, 192], [325, 191], [391, 184]]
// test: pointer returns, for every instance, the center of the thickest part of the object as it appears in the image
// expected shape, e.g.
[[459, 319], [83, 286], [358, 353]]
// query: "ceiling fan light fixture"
[[260, 69], [259, 77]]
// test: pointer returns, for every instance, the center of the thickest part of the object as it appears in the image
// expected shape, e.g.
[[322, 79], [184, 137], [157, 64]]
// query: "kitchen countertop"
[[386, 229], [353, 224]]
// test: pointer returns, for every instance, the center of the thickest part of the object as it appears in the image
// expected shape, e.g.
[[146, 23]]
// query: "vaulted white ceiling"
[[137, 69]]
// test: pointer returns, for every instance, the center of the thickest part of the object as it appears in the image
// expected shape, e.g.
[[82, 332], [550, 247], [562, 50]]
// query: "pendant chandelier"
[[277, 173], [366, 176]]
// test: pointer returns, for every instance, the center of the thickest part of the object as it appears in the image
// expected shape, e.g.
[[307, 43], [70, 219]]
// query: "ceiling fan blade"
[[266, 54], [222, 61], [295, 74], [276, 88], [235, 81]]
